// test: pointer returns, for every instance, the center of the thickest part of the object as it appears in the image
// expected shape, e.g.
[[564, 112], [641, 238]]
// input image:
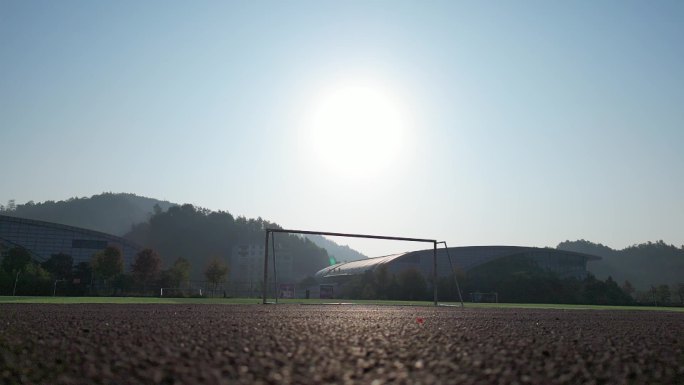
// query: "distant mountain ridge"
[[112, 213], [119, 213], [340, 252], [199, 235], [644, 265]]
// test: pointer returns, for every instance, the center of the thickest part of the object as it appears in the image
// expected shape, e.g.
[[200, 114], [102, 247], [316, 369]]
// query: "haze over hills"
[[644, 265], [199, 235], [119, 213], [340, 252], [107, 212], [130, 215]]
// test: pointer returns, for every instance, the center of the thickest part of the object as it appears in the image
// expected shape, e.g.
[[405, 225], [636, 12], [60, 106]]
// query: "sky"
[[477, 123]]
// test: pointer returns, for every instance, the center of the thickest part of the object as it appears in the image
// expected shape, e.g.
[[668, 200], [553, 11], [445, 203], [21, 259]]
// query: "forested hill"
[[642, 265], [117, 214], [200, 234], [341, 253], [108, 212]]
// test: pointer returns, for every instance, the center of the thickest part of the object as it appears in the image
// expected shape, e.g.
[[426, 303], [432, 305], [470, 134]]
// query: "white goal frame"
[[481, 297], [271, 232]]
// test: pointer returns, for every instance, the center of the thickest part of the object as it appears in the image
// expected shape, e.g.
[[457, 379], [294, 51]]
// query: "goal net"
[[181, 292], [492, 297], [270, 247]]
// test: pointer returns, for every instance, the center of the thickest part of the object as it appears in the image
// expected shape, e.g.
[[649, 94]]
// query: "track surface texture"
[[295, 344]]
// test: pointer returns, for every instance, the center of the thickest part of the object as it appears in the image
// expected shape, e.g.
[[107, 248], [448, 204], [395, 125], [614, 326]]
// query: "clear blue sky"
[[524, 123]]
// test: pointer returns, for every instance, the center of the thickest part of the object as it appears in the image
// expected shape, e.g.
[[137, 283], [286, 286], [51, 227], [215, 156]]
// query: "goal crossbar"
[[334, 234]]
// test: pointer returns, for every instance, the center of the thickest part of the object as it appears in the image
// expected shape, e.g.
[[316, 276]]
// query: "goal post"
[[492, 297], [453, 271], [333, 234]]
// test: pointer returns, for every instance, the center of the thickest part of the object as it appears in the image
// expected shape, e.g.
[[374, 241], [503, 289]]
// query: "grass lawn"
[[234, 301], [127, 300]]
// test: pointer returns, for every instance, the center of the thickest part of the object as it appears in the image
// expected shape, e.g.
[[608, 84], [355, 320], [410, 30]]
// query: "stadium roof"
[[465, 258], [356, 267]]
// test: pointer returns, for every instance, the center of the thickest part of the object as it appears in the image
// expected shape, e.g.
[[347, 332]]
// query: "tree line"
[[107, 212], [105, 274], [516, 279], [195, 236], [200, 234], [645, 266], [128, 215]]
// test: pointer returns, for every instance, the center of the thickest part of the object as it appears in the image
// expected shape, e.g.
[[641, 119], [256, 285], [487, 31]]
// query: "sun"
[[357, 129]]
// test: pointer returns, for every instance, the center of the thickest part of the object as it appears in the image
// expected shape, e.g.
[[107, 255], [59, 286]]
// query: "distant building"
[[566, 264], [247, 268], [43, 239]]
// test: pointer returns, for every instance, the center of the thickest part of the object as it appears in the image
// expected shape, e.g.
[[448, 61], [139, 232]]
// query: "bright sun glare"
[[357, 130]]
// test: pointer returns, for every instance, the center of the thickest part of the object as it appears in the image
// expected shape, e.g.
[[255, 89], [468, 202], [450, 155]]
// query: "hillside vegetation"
[[644, 265], [118, 213], [199, 234], [339, 252], [108, 212]]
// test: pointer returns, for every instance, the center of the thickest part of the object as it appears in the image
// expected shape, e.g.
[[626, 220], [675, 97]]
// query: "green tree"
[[178, 273], [382, 282], [393, 289], [615, 294], [447, 288], [368, 292], [361, 286], [198, 234], [83, 275], [412, 285], [6, 282], [146, 266], [679, 289], [653, 295], [108, 263], [642, 264], [215, 272], [59, 265], [663, 295], [34, 280], [83, 272], [123, 283], [516, 278], [628, 288], [594, 291], [15, 260]]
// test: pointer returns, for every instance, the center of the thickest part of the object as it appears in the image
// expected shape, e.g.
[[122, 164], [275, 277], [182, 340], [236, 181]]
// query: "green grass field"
[[244, 301]]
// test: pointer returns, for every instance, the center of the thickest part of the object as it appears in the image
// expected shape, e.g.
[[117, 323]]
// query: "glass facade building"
[[565, 264], [247, 269], [43, 239]]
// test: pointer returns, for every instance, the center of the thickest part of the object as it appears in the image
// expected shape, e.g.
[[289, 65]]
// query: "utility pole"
[[434, 272], [265, 286], [54, 290], [14, 291]]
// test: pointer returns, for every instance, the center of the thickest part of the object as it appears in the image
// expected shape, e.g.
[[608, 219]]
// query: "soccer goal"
[[270, 239], [178, 292], [492, 297]]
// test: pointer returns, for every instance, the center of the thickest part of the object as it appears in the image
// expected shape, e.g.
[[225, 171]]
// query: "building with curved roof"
[[565, 264], [43, 239]]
